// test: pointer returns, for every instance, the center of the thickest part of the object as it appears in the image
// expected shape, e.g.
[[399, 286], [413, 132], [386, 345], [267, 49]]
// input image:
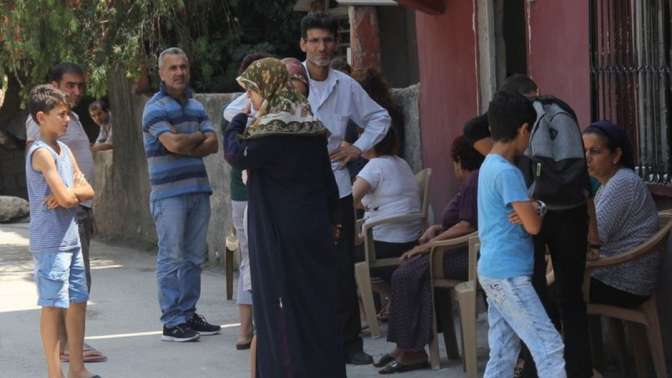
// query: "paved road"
[[123, 321]]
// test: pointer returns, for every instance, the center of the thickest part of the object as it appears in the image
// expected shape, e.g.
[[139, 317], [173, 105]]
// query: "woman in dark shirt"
[[410, 322]]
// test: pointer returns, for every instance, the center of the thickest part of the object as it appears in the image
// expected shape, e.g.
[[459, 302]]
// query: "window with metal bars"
[[631, 77]]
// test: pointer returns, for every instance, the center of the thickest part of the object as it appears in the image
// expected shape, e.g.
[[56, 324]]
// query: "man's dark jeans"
[[348, 304], [565, 233]]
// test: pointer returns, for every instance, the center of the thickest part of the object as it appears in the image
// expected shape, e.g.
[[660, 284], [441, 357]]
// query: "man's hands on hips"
[[344, 153]]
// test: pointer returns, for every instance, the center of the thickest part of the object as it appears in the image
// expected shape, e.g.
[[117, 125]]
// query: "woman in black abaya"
[[292, 198]]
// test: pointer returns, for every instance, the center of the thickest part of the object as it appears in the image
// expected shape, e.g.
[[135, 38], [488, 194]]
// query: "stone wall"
[[122, 185], [407, 99]]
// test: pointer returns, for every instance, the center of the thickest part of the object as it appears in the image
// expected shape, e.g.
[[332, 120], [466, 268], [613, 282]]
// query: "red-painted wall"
[[449, 89], [558, 51]]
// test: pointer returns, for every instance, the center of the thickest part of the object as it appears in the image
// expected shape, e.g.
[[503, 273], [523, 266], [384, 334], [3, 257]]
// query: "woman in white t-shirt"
[[386, 187]]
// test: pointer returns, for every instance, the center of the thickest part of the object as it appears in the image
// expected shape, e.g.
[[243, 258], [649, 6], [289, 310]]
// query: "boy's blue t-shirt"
[[506, 249]]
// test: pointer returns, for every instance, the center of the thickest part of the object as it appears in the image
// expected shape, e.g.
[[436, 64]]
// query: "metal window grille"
[[631, 77]]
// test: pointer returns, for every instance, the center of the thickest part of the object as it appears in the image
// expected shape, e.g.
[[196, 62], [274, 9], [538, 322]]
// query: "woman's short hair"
[[464, 153], [375, 85], [389, 145], [614, 137]]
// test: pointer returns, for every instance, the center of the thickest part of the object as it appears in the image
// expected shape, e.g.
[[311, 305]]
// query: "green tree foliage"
[[98, 34], [104, 34]]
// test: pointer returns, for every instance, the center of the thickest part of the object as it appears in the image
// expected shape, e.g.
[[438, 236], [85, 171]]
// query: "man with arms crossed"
[[177, 135]]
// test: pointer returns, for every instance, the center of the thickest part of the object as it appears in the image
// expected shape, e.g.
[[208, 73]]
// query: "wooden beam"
[[426, 6]]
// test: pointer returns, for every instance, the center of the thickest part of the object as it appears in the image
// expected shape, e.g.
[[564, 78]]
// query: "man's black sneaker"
[[179, 333], [200, 325]]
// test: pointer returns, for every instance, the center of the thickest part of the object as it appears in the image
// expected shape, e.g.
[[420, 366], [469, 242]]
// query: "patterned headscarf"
[[284, 111], [296, 70]]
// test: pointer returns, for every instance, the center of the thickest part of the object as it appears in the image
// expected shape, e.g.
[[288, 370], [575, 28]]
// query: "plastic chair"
[[647, 313], [465, 293], [363, 269], [423, 179]]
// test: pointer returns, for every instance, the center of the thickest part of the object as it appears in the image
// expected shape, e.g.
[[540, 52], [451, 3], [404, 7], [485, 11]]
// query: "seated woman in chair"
[[411, 317], [386, 187], [626, 218]]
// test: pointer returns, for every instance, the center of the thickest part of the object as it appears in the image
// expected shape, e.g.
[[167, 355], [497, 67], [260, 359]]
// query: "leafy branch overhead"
[[103, 35]]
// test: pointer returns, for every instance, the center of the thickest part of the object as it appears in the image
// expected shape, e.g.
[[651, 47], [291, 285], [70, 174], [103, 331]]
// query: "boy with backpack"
[[56, 186], [508, 218], [555, 171], [554, 167]]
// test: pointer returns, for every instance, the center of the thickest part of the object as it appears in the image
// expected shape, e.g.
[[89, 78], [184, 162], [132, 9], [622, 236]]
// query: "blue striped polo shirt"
[[171, 174]]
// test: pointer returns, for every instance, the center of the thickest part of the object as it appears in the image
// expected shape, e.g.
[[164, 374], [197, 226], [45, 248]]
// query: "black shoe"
[[179, 333], [200, 325], [397, 367], [358, 358]]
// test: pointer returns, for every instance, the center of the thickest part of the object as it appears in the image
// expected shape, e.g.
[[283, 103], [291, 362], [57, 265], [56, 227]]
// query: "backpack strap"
[[550, 100]]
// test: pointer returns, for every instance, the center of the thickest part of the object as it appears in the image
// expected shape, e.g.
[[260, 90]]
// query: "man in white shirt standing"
[[336, 98], [69, 78]]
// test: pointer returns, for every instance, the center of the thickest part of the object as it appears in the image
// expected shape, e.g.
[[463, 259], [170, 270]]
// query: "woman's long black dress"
[[292, 197]]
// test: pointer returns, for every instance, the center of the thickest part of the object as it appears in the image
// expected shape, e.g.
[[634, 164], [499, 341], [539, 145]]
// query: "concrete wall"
[[407, 99]]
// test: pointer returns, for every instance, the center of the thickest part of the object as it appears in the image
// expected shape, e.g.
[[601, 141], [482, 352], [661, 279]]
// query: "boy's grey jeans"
[[515, 313]]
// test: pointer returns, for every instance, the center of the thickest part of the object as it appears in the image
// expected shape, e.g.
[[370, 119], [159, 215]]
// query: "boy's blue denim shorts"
[[60, 278]]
